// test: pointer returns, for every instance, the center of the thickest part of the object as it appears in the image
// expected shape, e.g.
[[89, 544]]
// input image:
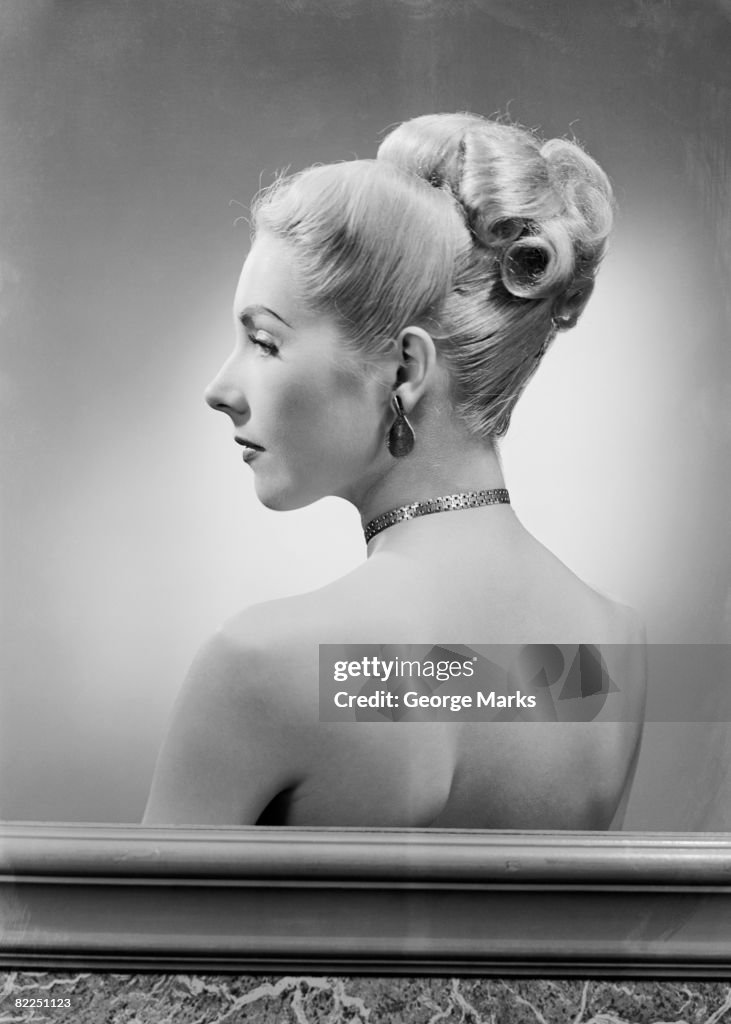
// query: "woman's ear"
[[418, 360]]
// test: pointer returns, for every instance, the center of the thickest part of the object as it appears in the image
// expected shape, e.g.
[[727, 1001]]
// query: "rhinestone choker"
[[448, 503]]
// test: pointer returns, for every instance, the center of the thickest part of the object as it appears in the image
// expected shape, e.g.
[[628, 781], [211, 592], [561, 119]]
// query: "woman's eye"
[[263, 342]]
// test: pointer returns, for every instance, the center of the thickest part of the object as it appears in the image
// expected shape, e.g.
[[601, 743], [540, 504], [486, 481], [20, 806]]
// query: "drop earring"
[[401, 435]]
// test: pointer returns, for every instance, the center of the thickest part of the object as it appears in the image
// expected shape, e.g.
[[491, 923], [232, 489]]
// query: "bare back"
[[434, 585]]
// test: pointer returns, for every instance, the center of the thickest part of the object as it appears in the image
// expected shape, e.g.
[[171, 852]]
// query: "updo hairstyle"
[[476, 230]]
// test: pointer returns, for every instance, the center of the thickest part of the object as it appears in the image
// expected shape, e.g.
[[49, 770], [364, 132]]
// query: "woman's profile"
[[388, 316]]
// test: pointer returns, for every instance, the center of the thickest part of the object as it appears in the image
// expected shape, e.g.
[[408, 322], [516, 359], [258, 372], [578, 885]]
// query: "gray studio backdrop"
[[133, 134]]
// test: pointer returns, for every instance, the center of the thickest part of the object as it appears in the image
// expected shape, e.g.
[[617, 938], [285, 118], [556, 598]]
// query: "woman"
[[388, 316]]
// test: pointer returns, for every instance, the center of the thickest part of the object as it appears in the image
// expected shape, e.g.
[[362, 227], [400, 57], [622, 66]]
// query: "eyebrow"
[[250, 311]]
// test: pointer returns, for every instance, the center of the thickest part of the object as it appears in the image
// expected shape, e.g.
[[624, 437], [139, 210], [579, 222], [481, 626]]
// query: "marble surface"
[[214, 999]]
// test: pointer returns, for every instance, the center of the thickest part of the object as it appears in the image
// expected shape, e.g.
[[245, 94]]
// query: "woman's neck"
[[432, 472]]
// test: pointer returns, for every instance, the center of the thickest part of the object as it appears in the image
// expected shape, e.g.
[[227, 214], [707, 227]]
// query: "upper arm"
[[232, 742]]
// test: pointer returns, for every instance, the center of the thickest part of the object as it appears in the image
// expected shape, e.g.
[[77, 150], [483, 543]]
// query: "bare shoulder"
[[282, 637], [267, 655], [249, 656], [268, 635], [240, 731], [622, 641], [624, 624], [271, 650], [581, 607]]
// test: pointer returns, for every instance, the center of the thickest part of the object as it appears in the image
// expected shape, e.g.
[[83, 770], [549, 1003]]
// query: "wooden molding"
[[353, 901]]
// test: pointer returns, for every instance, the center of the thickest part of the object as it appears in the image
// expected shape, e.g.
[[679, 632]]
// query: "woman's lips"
[[250, 449]]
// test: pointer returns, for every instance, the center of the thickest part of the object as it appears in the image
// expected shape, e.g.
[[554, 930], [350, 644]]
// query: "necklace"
[[447, 503]]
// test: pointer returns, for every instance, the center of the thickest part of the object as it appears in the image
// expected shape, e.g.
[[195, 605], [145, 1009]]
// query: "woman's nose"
[[225, 393]]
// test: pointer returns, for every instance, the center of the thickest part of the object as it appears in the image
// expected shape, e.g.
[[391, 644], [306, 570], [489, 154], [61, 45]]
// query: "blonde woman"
[[388, 316]]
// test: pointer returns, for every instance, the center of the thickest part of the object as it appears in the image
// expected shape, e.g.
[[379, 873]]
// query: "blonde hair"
[[374, 245], [478, 230]]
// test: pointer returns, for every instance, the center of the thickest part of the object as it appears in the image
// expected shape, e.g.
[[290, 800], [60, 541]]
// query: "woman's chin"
[[282, 498]]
